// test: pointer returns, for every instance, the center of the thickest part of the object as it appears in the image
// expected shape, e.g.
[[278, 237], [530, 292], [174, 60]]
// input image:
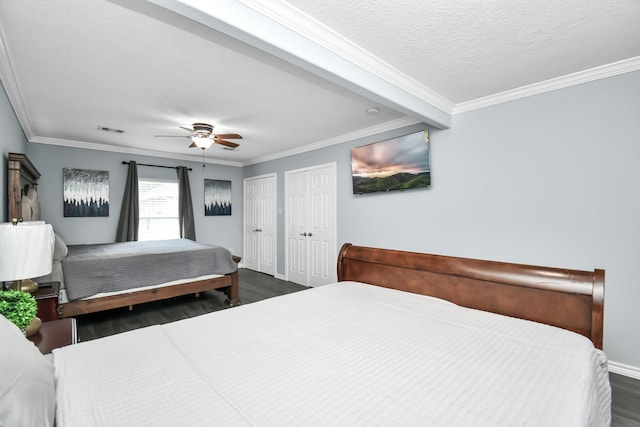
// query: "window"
[[158, 209]]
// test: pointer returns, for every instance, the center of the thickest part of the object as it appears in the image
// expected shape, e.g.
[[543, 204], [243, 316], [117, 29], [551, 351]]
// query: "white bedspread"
[[346, 354]]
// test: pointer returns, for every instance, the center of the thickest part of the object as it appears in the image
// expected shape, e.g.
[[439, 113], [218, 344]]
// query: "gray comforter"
[[92, 269]]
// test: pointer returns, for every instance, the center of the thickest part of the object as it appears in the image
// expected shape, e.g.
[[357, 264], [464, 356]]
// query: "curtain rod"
[[155, 166]]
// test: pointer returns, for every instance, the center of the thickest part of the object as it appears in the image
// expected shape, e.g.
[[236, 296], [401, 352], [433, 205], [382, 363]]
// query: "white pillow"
[[27, 387], [60, 249]]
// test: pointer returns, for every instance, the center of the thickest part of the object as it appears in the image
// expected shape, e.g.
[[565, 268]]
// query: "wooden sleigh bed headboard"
[[21, 173], [569, 299]]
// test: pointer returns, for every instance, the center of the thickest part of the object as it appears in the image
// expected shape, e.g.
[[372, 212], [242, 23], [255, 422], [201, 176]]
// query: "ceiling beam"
[[288, 34]]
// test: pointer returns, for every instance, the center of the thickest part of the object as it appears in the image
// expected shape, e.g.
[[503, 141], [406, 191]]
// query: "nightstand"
[[55, 334], [47, 298]]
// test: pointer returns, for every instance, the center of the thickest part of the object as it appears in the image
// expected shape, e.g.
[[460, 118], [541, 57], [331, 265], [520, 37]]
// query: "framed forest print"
[[217, 197], [85, 192]]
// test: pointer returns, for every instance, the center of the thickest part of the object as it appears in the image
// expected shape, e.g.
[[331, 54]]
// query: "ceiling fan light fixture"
[[202, 142]]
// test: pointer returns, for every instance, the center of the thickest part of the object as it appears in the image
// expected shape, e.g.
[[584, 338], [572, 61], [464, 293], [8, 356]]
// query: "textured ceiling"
[[470, 49], [287, 76]]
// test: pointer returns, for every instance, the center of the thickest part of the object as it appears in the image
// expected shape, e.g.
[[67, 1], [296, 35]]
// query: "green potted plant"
[[19, 307]]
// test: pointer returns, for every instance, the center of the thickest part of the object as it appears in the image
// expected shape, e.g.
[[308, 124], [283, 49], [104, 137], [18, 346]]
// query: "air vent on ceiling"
[[106, 129]]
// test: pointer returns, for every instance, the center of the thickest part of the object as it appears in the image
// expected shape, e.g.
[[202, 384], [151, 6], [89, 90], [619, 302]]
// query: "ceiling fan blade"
[[226, 143], [187, 129], [172, 136], [227, 136], [193, 145]]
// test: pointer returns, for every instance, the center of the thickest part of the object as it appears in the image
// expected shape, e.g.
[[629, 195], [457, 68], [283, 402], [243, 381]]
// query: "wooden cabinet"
[[55, 334], [47, 298]]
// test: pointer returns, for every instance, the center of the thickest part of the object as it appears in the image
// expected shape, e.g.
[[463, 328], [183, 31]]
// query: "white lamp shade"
[[201, 142], [26, 250]]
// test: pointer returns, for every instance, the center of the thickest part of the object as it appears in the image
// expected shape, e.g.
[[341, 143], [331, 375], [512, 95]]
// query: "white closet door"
[[296, 226], [321, 225], [260, 224], [311, 225]]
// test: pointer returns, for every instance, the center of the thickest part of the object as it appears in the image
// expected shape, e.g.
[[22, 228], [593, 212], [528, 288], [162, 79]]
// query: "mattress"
[[92, 269], [343, 354], [63, 299]]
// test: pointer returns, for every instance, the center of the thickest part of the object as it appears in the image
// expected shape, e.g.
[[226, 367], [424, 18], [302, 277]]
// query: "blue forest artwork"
[[217, 197], [86, 192]]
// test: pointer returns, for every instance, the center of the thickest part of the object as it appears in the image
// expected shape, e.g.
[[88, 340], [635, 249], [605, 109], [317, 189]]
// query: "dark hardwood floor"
[[255, 286], [625, 410]]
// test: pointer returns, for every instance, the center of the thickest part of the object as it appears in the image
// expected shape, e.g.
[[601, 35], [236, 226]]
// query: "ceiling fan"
[[202, 136]]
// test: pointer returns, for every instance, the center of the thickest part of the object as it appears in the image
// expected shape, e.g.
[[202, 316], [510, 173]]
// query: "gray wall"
[[341, 155], [548, 180], [50, 160], [12, 140]]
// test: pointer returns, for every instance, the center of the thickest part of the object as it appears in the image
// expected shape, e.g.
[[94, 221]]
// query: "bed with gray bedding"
[[128, 269], [114, 267]]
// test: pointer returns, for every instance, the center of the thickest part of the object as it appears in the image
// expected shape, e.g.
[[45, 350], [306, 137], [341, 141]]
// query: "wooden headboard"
[[21, 174], [569, 299]]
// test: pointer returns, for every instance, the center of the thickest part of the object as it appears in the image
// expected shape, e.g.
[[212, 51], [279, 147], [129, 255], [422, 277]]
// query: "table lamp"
[[26, 251]]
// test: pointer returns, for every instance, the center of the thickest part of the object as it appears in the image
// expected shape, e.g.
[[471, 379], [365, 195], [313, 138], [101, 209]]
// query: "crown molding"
[[128, 150], [351, 136], [604, 71], [11, 87]]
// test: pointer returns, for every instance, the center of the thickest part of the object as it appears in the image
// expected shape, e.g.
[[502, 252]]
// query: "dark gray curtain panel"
[[185, 205], [130, 211]]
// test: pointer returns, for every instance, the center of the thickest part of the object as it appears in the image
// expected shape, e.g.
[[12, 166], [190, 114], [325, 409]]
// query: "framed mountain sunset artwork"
[[400, 163]]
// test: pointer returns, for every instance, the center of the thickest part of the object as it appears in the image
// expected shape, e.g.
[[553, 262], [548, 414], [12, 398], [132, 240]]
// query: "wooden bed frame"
[[569, 299], [23, 172], [228, 284]]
